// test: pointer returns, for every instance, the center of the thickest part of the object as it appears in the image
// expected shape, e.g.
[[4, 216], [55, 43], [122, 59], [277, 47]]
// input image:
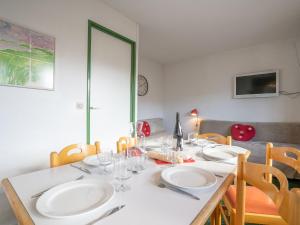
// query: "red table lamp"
[[195, 113]]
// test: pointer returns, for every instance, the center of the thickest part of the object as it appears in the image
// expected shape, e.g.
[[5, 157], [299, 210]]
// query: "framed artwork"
[[26, 57]]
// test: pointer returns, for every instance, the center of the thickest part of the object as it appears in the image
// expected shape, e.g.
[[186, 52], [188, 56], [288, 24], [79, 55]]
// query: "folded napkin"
[[163, 157], [159, 162]]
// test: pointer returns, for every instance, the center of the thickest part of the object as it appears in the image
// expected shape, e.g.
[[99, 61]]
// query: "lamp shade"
[[194, 112]]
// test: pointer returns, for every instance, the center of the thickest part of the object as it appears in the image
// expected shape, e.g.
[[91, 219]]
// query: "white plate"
[[74, 198], [188, 177], [222, 152], [92, 160]]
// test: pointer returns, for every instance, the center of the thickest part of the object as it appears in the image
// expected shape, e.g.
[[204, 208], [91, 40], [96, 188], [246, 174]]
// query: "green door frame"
[[91, 25]]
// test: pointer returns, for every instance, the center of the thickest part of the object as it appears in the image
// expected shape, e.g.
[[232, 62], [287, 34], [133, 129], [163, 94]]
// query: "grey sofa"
[[280, 134]]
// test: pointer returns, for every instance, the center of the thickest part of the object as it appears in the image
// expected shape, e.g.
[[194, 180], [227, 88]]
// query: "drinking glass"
[[166, 143], [105, 159], [202, 143], [121, 172], [192, 137], [172, 157], [136, 156], [141, 142]]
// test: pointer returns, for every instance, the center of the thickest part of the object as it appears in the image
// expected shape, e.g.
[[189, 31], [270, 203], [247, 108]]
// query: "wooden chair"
[[66, 156], [122, 143], [218, 138], [285, 202], [283, 155], [257, 202]]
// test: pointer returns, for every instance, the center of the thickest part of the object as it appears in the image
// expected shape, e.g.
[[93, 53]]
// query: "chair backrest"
[[287, 202], [286, 155], [218, 138], [73, 153], [123, 142]]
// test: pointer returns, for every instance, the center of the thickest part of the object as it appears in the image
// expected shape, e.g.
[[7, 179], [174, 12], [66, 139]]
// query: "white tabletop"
[[146, 203]]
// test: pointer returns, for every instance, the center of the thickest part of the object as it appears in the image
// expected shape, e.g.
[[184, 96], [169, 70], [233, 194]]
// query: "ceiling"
[[176, 30]]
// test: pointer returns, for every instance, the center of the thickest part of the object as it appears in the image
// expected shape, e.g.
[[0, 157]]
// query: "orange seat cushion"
[[256, 201]]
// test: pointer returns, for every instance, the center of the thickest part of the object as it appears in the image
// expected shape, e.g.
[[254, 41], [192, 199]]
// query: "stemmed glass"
[[132, 129], [121, 172], [141, 139]]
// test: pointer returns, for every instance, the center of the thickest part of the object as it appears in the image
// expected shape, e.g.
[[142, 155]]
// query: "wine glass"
[[121, 172], [141, 139], [132, 129]]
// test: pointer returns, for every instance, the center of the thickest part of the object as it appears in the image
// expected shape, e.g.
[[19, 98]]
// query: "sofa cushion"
[[280, 132], [242, 132], [156, 125], [146, 129]]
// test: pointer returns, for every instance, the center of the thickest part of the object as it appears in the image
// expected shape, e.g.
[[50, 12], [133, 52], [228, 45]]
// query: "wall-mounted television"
[[259, 84]]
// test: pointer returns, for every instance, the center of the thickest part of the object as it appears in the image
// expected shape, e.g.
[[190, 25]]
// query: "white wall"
[[206, 83], [151, 105], [35, 122]]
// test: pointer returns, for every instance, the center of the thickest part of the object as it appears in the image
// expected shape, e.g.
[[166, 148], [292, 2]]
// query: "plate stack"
[[220, 153]]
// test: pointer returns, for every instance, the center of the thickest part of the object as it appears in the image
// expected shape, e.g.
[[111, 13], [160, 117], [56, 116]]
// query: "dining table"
[[145, 203]]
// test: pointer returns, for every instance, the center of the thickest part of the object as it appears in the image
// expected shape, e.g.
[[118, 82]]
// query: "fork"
[[81, 168], [42, 192]]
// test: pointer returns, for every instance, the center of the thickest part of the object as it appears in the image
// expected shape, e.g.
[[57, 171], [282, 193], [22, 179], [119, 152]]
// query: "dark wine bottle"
[[178, 134]]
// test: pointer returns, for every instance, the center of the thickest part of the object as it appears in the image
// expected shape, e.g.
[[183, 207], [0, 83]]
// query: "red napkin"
[[159, 162]]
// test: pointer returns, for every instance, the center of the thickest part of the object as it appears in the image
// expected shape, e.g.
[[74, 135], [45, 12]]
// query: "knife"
[[162, 185], [107, 213]]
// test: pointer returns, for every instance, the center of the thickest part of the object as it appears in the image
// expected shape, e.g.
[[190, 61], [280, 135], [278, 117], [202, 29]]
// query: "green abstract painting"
[[26, 57]]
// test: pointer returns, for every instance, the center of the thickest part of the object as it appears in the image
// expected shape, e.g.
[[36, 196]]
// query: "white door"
[[110, 88]]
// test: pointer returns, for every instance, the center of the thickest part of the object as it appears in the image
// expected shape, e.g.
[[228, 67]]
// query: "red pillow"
[[145, 128], [242, 132]]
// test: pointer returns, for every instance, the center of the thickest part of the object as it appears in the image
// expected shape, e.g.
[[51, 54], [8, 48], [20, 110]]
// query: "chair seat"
[[256, 201]]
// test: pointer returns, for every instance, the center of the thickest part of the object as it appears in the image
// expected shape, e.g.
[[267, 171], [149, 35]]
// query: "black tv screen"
[[256, 85]]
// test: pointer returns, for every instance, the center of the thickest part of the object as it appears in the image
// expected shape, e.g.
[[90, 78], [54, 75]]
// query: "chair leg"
[[213, 218], [232, 218], [218, 216]]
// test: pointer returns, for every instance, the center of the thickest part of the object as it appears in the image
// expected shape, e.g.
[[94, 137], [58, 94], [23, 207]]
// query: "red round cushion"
[[146, 129], [242, 132]]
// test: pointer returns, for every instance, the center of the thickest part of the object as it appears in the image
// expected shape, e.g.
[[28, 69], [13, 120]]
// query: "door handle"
[[94, 108]]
